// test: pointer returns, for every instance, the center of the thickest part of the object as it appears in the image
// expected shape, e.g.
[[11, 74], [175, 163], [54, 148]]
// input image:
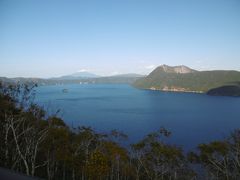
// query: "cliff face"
[[174, 69]]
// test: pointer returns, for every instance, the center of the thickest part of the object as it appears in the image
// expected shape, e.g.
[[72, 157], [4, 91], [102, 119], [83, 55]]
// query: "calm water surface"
[[192, 118]]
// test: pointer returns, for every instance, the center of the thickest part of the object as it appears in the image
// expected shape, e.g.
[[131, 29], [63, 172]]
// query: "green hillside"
[[165, 78], [229, 90]]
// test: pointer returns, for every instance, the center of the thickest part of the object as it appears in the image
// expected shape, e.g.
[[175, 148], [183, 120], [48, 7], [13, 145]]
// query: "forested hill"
[[184, 79], [118, 79]]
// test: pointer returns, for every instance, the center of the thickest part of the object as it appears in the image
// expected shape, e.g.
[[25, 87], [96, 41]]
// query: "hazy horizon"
[[104, 75], [53, 38]]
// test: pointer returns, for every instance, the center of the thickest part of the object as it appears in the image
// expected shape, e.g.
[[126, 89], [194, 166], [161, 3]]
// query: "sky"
[[50, 38]]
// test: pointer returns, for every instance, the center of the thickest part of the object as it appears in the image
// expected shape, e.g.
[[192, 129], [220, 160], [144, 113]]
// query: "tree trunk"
[[64, 171], [6, 147], [73, 174], [19, 151]]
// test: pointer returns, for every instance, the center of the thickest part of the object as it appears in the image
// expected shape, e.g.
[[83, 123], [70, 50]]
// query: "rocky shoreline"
[[166, 89]]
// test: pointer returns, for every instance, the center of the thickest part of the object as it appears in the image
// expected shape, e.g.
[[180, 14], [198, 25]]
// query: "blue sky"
[[52, 37]]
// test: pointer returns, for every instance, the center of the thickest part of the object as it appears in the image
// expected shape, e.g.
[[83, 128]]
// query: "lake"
[[192, 118]]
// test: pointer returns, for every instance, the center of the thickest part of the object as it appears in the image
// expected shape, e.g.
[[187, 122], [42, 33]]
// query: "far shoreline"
[[172, 90]]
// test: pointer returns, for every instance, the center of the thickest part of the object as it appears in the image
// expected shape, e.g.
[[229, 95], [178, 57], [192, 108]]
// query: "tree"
[[56, 146], [220, 159], [154, 159], [21, 125]]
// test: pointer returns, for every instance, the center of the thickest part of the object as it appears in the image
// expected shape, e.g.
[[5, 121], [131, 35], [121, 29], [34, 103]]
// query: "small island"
[[65, 90]]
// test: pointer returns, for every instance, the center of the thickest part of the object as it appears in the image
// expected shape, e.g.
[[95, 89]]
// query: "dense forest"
[[39, 144]]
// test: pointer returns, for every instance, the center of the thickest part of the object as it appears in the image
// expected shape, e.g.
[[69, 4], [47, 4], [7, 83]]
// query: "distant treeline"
[[42, 145], [59, 81]]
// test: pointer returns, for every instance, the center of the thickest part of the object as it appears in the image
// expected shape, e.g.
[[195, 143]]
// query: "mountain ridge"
[[121, 78], [181, 69], [77, 75]]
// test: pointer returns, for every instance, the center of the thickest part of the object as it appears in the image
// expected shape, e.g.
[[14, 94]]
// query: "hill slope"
[[229, 90], [184, 79]]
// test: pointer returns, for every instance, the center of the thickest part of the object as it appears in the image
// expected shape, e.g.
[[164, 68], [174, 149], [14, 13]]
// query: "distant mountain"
[[78, 75], [184, 79], [77, 78], [129, 75]]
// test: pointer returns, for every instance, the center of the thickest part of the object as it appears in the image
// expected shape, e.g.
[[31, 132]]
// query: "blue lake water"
[[192, 118]]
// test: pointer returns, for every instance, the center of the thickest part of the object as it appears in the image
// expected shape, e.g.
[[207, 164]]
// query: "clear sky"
[[49, 38]]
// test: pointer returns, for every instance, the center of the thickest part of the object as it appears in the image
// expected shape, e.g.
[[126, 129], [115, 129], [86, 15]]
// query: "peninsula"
[[184, 79]]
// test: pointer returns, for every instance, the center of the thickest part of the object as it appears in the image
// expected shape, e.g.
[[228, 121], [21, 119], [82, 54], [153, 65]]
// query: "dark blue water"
[[192, 118]]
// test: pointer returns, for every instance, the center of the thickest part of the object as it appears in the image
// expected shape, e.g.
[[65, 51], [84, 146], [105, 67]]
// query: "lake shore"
[[182, 90]]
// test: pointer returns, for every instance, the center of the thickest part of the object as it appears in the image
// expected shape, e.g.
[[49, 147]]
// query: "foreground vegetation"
[[42, 145]]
